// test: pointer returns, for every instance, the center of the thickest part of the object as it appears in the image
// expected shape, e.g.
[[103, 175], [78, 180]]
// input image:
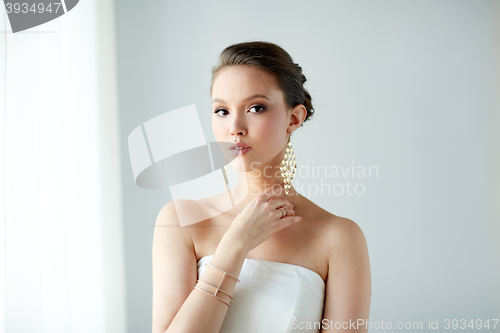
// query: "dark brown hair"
[[275, 60]]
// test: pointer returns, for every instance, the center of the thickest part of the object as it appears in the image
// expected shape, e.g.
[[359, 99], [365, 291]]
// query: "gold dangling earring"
[[225, 170], [288, 166]]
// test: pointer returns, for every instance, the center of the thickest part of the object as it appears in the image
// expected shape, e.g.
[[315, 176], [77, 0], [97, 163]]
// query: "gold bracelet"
[[234, 277], [217, 289], [196, 287]]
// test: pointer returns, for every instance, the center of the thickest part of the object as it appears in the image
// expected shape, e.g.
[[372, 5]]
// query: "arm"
[[348, 287], [177, 306]]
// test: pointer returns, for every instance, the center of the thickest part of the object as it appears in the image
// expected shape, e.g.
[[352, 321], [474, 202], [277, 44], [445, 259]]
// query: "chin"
[[240, 165]]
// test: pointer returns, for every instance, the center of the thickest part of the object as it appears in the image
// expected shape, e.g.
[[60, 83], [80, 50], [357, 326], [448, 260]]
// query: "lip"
[[237, 151]]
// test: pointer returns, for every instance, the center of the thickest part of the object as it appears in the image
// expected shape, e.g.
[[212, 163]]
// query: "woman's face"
[[250, 108]]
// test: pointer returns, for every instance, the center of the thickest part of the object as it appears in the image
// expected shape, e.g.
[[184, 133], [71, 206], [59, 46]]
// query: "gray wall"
[[405, 86]]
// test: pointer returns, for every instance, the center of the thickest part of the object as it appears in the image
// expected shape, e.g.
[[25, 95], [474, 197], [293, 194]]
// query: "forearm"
[[201, 312]]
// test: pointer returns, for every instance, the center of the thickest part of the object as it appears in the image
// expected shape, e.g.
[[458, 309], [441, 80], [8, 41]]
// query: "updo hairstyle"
[[275, 60]]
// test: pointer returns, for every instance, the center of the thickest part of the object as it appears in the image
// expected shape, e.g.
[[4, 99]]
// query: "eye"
[[217, 112], [258, 108]]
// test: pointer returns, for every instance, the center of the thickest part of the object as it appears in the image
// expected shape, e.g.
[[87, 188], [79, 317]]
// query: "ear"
[[297, 117]]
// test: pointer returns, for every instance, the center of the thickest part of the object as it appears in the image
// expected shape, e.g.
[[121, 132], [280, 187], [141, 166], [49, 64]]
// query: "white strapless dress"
[[273, 297]]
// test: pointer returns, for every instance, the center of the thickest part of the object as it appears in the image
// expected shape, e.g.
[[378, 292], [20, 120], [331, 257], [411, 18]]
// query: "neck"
[[251, 183]]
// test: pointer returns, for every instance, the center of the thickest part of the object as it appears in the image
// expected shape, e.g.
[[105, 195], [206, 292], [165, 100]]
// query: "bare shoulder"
[[183, 212], [343, 231], [168, 226], [339, 233], [346, 246], [348, 283], [167, 215]]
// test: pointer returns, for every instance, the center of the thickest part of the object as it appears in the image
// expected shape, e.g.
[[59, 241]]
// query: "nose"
[[237, 126]]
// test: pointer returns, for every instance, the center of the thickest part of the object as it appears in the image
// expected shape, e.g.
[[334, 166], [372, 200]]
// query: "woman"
[[275, 262]]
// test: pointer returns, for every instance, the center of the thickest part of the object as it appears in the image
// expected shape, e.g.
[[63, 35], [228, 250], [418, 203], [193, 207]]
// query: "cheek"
[[270, 131], [218, 129], [266, 130]]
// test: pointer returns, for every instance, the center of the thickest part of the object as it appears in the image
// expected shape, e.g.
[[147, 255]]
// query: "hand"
[[261, 218]]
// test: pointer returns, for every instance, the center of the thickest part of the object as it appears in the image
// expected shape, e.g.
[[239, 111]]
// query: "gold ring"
[[283, 212]]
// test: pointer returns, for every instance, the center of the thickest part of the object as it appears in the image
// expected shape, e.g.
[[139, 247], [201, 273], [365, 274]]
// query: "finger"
[[281, 202], [278, 202], [288, 221], [287, 211], [273, 197], [291, 209], [280, 213]]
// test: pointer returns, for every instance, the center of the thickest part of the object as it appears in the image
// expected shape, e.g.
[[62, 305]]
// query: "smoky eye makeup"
[[259, 108], [218, 111]]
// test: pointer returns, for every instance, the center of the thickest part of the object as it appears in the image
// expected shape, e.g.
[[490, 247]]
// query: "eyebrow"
[[245, 100]]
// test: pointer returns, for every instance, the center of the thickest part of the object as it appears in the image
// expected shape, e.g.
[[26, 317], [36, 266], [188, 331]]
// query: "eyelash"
[[263, 108]]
